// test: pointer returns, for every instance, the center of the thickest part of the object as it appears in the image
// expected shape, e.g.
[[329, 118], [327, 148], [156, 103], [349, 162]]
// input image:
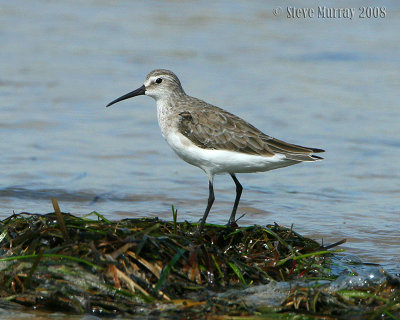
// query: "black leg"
[[211, 199], [239, 189]]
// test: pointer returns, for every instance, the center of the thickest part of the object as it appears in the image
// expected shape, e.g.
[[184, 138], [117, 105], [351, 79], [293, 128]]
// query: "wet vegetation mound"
[[135, 267]]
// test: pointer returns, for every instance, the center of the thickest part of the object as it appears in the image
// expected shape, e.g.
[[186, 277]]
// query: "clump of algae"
[[142, 266]]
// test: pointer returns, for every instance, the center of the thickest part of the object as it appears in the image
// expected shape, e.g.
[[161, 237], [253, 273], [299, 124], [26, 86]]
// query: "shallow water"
[[326, 83]]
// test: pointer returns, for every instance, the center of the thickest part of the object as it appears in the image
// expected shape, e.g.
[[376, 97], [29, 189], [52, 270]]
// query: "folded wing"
[[215, 128]]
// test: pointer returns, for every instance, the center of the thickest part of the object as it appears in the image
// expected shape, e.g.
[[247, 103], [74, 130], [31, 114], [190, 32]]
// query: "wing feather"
[[214, 128]]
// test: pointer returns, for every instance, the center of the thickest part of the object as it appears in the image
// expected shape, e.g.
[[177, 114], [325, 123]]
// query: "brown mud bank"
[[148, 267]]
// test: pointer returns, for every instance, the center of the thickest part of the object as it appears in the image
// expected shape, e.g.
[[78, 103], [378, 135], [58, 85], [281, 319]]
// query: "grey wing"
[[215, 128]]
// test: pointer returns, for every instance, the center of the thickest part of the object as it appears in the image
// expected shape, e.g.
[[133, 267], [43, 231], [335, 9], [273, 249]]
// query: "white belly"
[[222, 161]]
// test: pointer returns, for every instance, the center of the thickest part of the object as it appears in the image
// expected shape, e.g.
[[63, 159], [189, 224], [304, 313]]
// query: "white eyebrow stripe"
[[152, 79]]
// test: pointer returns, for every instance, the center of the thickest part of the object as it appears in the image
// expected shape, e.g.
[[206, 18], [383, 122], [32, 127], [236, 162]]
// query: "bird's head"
[[159, 84]]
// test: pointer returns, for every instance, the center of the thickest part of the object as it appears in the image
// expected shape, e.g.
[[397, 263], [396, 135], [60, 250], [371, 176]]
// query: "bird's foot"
[[232, 223], [199, 229]]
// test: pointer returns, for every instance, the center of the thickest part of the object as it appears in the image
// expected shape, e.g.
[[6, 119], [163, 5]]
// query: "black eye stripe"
[[158, 80]]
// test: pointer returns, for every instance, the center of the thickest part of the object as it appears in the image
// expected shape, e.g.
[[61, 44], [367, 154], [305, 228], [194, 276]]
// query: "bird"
[[213, 139]]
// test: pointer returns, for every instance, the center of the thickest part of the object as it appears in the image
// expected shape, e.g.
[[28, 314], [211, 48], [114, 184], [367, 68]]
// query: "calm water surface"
[[331, 84]]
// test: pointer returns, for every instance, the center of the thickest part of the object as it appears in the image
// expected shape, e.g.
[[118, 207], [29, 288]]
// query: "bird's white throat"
[[163, 110]]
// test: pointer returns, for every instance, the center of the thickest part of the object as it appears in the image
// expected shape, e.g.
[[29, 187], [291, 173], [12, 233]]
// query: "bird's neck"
[[168, 104], [164, 111], [163, 105]]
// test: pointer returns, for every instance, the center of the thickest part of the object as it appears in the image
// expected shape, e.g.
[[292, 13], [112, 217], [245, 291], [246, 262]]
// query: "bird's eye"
[[158, 80]]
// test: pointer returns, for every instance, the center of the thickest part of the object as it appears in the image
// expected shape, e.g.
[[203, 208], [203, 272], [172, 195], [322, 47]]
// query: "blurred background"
[[325, 83]]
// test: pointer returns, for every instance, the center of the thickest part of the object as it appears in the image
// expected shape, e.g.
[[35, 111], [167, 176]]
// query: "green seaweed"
[[94, 265]]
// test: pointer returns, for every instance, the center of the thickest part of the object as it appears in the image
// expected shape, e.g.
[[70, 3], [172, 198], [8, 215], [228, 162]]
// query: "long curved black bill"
[[134, 93]]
